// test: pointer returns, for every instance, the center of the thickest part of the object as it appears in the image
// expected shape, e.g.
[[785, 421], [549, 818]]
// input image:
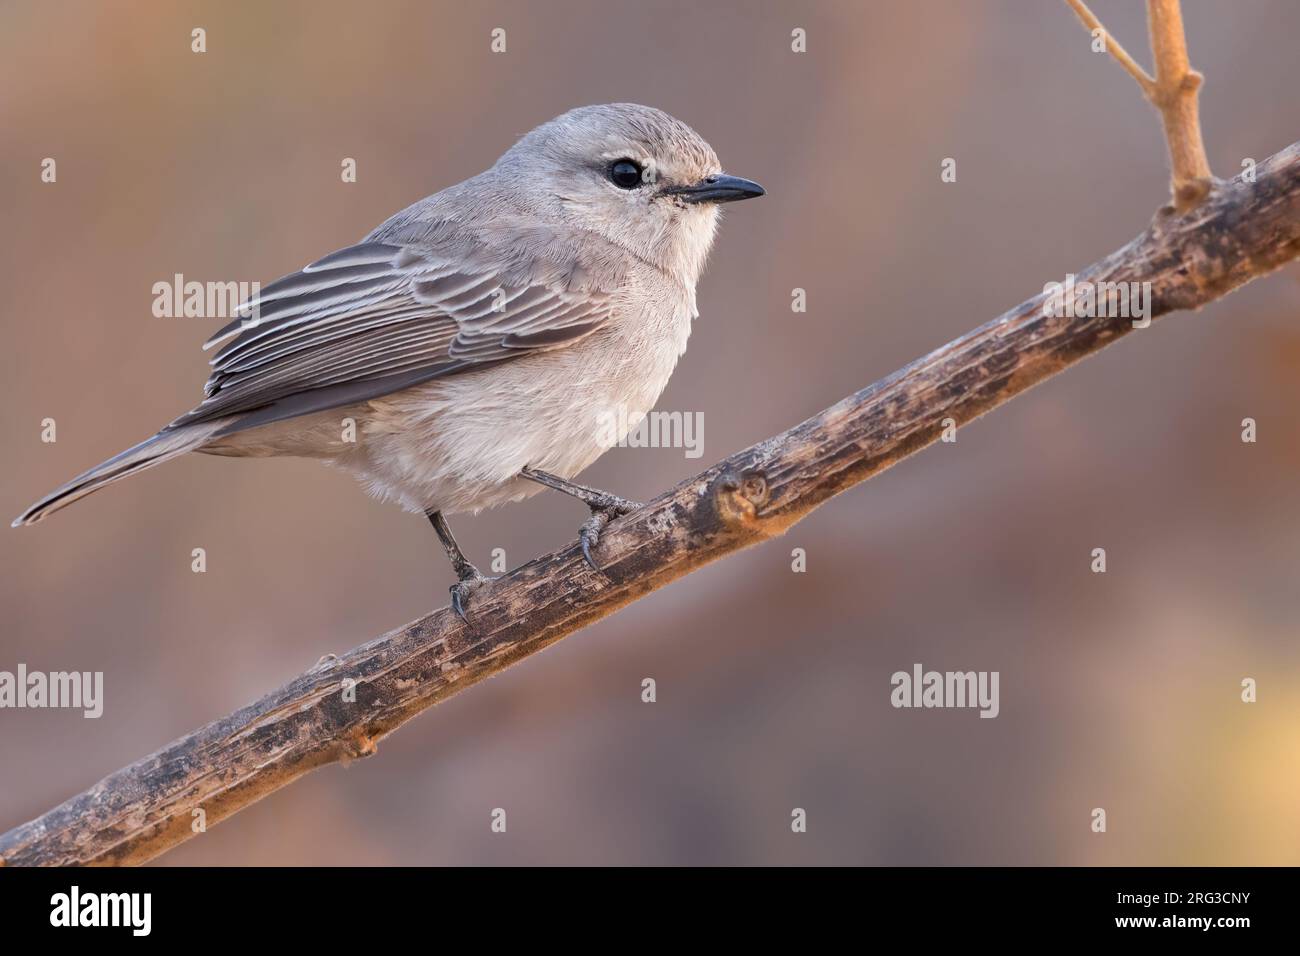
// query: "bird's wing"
[[377, 317]]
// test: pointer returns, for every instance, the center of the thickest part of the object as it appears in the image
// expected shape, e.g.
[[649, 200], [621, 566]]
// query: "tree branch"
[[1172, 91], [1242, 231]]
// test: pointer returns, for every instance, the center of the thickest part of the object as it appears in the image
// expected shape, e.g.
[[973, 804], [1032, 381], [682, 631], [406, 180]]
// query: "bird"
[[460, 355]]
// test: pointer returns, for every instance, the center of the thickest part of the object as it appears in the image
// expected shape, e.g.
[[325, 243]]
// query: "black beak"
[[719, 188]]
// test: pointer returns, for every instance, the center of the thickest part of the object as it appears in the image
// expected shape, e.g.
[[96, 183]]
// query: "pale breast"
[[459, 443]]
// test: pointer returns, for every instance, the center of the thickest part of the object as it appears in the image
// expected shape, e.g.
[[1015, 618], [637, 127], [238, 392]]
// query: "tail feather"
[[167, 444]]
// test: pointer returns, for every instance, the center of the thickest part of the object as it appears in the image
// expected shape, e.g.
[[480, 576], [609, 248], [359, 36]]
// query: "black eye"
[[625, 174]]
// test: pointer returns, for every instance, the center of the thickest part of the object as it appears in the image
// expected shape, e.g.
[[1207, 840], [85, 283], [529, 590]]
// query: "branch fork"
[[1173, 91]]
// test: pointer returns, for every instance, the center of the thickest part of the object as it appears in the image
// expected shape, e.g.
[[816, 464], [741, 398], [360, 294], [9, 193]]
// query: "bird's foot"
[[603, 505], [470, 581], [608, 507]]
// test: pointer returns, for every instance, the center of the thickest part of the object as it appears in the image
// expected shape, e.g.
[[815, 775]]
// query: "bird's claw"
[[589, 536], [610, 506], [616, 506], [604, 507], [462, 589]]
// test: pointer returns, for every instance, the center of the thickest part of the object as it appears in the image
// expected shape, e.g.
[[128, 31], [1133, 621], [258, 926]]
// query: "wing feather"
[[378, 316]]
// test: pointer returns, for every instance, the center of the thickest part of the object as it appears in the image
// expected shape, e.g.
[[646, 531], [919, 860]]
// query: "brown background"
[[1118, 690]]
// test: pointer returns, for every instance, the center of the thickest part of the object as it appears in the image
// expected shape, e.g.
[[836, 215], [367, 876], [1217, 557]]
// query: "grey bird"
[[469, 351]]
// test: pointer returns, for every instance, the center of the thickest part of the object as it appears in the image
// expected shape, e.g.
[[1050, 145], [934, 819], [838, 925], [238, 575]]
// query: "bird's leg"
[[603, 505], [468, 577]]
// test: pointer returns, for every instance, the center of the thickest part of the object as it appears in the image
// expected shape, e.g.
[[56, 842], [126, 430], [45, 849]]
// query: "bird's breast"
[[459, 443]]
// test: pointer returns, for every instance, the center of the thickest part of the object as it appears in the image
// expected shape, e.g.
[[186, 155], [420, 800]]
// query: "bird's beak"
[[719, 188]]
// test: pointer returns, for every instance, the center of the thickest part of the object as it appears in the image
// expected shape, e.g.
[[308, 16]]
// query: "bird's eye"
[[625, 174]]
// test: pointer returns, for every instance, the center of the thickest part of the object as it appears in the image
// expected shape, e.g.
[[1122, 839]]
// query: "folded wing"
[[377, 317]]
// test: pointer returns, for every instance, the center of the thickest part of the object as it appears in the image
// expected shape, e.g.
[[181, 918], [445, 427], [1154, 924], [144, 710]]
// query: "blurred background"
[[1118, 690]]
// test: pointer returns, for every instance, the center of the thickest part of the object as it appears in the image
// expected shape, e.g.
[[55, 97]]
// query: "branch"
[[1172, 91], [1144, 79], [1241, 232]]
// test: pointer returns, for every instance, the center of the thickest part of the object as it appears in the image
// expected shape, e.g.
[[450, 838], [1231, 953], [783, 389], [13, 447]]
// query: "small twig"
[[1172, 91], [1177, 85], [1144, 79]]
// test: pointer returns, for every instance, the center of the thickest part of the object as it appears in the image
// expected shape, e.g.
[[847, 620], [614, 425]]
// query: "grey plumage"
[[476, 332]]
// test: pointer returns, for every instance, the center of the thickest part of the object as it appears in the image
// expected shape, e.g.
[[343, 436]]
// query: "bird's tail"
[[167, 444]]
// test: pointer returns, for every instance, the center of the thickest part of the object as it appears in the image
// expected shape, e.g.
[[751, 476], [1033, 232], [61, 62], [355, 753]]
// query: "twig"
[[1172, 91], [1144, 79], [343, 706]]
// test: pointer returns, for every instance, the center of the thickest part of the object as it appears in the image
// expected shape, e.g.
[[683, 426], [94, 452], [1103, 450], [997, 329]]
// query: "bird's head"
[[633, 174]]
